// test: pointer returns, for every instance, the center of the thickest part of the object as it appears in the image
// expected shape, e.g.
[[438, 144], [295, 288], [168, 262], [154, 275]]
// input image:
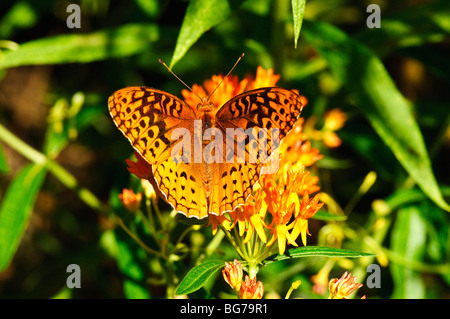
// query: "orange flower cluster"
[[230, 87], [275, 209], [333, 120]]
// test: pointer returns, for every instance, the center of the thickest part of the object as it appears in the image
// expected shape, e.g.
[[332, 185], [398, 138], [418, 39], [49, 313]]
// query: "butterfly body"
[[194, 151]]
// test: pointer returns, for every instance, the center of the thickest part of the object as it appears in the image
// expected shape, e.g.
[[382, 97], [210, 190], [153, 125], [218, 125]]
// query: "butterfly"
[[217, 173]]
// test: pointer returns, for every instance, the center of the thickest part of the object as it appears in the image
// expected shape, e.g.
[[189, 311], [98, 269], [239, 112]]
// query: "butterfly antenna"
[[163, 63], [239, 59]]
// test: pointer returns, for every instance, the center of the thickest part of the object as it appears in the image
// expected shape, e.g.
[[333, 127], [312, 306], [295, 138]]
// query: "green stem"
[[159, 216], [279, 11], [151, 221], [240, 244], [233, 242], [183, 234], [136, 239], [170, 279], [214, 243], [57, 170]]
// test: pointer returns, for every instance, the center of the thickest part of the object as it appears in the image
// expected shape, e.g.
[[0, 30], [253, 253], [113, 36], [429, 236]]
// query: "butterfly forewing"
[[266, 115], [259, 120], [147, 118]]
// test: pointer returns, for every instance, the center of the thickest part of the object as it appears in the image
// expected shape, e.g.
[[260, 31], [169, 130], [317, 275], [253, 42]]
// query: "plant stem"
[[233, 242], [279, 12], [57, 170], [135, 238]]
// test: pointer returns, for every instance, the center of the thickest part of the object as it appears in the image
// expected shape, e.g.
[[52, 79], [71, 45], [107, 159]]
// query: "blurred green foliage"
[[392, 83]]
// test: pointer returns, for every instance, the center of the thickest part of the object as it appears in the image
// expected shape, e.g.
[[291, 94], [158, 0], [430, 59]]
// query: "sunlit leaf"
[[322, 215], [408, 241], [201, 15], [298, 9], [16, 208], [130, 259], [198, 276], [81, 48], [4, 168], [374, 92], [315, 251]]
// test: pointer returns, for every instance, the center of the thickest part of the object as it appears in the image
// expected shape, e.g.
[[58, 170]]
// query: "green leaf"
[[4, 167], [408, 241], [131, 261], [298, 10], [16, 208], [374, 92], [322, 215], [81, 48], [314, 251], [201, 15], [198, 276], [20, 16]]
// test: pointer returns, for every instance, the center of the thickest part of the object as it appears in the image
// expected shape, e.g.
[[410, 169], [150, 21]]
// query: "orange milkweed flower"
[[308, 208], [264, 78], [251, 289], [320, 280], [295, 150], [249, 217], [130, 200], [230, 87], [149, 190], [282, 199], [341, 288], [308, 155], [216, 220], [334, 120], [232, 274]]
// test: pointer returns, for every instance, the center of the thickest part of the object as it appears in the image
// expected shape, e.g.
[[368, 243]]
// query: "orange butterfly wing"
[[260, 111], [148, 117]]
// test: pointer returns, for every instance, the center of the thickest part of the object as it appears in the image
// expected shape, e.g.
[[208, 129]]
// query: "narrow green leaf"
[[408, 241], [198, 276], [16, 208], [4, 167], [374, 92], [298, 10], [201, 15], [81, 48], [321, 215], [314, 251]]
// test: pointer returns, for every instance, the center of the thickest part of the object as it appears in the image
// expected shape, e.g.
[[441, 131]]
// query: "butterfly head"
[[205, 105], [207, 113]]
